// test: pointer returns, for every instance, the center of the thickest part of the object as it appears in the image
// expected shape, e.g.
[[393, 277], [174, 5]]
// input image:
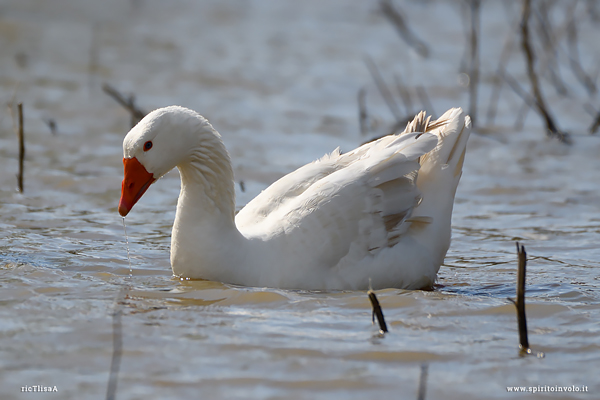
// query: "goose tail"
[[439, 175]]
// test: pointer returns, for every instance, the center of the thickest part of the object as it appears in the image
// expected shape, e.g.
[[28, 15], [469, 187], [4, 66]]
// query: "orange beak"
[[135, 183]]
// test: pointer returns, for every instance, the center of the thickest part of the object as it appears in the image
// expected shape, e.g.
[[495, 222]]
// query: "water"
[[279, 81], [127, 247]]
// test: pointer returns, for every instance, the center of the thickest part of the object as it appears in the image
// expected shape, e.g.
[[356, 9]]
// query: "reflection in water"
[[127, 247]]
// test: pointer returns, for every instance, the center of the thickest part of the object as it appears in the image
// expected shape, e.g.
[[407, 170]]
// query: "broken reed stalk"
[[115, 363], [377, 311], [423, 381], [520, 302], [474, 67], [127, 103], [552, 130], [21, 147]]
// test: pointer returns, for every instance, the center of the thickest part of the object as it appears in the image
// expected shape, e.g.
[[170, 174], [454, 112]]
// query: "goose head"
[[162, 140]]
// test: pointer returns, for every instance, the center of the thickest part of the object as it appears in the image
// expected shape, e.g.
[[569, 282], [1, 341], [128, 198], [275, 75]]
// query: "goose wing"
[[343, 205]]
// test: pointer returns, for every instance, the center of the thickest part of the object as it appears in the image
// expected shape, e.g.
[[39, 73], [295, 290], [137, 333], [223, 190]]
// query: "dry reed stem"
[[127, 103], [474, 63], [377, 311], [552, 130], [21, 147], [520, 302]]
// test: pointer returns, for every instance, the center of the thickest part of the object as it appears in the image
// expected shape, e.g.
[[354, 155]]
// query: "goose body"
[[379, 215]]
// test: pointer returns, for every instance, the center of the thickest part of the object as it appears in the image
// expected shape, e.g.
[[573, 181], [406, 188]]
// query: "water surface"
[[279, 81]]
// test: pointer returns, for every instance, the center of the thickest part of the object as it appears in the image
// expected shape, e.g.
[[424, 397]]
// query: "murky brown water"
[[279, 81]]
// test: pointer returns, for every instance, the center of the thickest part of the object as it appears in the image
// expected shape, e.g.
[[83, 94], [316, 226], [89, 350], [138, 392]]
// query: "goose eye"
[[147, 145]]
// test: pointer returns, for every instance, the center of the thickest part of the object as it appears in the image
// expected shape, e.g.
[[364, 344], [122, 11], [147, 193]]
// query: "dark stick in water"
[[127, 103], [551, 128], [377, 311], [21, 147], [474, 63], [520, 302]]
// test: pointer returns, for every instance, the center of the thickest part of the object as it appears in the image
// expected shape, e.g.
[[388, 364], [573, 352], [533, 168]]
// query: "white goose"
[[380, 213]]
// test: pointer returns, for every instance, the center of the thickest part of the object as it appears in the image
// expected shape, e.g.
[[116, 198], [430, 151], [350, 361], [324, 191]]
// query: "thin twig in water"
[[383, 89], [127, 103], [377, 312], [474, 64], [396, 18], [363, 115], [115, 364], [520, 302], [21, 147], [423, 381], [552, 130]]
